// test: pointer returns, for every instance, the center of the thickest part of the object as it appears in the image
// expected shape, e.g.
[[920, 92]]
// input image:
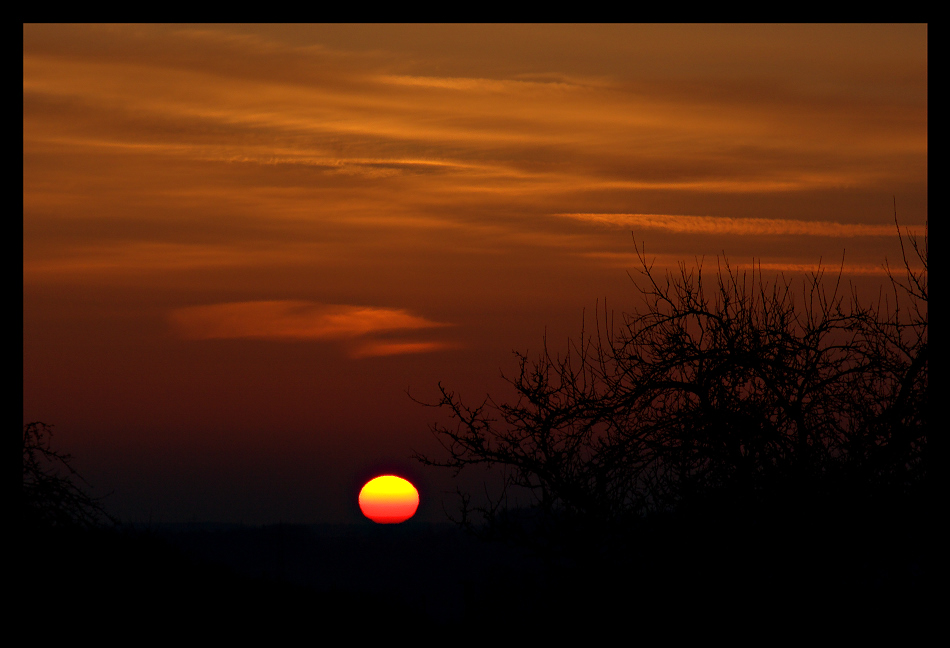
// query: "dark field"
[[825, 571]]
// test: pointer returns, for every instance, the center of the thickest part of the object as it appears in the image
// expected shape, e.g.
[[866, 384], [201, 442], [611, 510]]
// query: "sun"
[[388, 499]]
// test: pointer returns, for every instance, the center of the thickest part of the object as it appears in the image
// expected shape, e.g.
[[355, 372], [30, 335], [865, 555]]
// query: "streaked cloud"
[[196, 157], [629, 260], [304, 320], [739, 226], [386, 348], [177, 92], [148, 257], [312, 136]]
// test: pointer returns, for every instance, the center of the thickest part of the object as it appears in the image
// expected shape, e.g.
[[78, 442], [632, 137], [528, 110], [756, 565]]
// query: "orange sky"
[[242, 244]]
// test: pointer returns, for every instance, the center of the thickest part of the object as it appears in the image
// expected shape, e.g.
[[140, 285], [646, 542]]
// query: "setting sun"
[[389, 499]]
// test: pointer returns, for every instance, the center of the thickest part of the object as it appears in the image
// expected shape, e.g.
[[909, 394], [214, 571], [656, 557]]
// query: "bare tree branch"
[[51, 495], [738, 386]]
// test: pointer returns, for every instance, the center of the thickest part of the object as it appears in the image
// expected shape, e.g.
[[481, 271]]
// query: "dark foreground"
[[846, 574]]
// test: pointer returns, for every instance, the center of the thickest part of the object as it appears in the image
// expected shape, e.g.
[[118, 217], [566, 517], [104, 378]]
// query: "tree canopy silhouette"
[[729, 390]]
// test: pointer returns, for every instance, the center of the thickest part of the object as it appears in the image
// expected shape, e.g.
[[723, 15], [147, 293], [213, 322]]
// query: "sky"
[[248, 250]]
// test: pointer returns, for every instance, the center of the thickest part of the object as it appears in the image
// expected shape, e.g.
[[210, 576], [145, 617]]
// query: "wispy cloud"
[[187, 156], [732, 226], [381, 348], [305, 320], [631, 260], [124, 257]]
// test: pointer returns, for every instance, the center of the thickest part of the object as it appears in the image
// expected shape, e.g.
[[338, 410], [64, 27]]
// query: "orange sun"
[[389, 499]]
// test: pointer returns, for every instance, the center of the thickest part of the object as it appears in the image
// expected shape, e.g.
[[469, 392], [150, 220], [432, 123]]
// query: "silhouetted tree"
[[739, 392], [52, 498]]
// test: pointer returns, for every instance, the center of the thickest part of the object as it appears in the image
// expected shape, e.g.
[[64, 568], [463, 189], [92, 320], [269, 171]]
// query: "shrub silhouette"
[[732, 394], [51, 496]]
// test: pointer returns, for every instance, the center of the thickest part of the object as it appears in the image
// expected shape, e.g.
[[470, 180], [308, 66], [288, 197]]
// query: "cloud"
[[732, 226], [382, 348], [298, 320], [631, 260]]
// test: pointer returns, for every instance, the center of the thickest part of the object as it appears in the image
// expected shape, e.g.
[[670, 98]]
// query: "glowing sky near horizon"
[[243, 243]]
